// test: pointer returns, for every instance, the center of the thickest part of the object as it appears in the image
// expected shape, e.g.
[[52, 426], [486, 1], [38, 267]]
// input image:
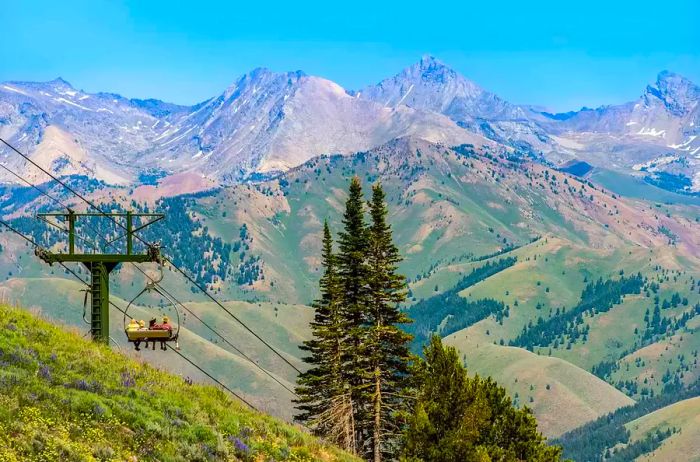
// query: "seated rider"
[[151, 326], [164, 326], [134, 326]]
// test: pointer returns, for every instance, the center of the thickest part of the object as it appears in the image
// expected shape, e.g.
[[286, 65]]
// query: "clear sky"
[[560, 54]]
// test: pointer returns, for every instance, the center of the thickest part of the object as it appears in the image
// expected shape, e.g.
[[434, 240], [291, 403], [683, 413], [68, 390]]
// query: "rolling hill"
[[561, 395], [453, 209], [684, 420], [65, 398]]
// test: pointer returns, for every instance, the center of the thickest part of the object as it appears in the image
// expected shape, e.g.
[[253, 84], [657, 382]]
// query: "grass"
[[65, 398], [283, 326], [683, 445], [631, 186], [561, 395], [444, 210]]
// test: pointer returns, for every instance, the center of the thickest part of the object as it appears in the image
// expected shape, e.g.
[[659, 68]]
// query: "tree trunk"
[[348, 416], [350, 441], [377, 437]]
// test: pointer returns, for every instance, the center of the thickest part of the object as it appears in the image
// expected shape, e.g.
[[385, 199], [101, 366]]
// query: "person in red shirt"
[[164, 326]]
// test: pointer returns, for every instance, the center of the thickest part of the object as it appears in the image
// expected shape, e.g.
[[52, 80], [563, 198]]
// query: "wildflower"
[[44, 372], [128, 380], [98, 410], [240, 446], [81, 384]]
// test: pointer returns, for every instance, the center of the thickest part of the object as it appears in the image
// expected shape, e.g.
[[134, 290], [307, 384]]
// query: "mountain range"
[[549, 216], [268, 122]]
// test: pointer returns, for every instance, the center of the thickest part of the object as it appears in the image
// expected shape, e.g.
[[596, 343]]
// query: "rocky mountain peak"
[[262, 79], [433, 73], [59, 83], [677, 93], [428, 84], [432, 69]]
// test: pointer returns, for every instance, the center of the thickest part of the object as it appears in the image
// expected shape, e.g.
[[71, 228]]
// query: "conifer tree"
[[353, 271], [457, 417], [385, 346], [323, 392], [353, 245]]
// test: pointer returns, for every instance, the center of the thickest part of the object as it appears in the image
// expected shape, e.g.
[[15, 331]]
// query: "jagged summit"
[[430, 84], [678, 94], [431, 68], [60, 81], [271, 121], [264, 121]]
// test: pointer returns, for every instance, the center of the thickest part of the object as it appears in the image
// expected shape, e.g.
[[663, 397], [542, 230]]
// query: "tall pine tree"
[[324, 395], [354, 390], [353, 246], [385, 345]]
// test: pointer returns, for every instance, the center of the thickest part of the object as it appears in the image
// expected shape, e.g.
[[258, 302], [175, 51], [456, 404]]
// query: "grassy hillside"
[[550, 275], [283, 326], [65, 398], [561, 395], [447, 206], [683, 418]]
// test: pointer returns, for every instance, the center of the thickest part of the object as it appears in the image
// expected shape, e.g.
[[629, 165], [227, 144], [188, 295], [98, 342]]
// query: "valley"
[[455, 210]]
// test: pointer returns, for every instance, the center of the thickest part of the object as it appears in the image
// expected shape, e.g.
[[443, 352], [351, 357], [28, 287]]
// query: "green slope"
[[64, 398], [561, 395], [283, 326], [683, 418]]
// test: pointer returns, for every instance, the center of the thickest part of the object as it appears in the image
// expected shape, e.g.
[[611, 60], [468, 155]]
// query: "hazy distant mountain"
[[70, 131], [431, 85], [267, 121], [270, 121], [659, 132], [667, 110]]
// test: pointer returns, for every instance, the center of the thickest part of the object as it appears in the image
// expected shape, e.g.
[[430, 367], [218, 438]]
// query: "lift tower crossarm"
[[101, 264]]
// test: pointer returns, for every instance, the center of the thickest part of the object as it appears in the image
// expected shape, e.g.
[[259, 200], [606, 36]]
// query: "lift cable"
[[68, 269], [165, 257], [207, 325], [50, 197], [94, 245]]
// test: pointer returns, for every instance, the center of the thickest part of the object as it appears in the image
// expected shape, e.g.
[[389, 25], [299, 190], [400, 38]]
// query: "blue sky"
[[559, 54]]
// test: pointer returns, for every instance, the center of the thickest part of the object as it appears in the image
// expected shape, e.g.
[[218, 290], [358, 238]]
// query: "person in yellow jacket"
[[132, 326], [135, 326]]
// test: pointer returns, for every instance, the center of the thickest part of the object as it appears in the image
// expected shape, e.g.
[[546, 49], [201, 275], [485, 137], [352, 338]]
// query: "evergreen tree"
[[322, 390], [385, 346], [353, 271], [461, 418]]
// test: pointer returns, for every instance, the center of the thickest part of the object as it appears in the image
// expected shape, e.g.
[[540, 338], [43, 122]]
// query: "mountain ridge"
[[269, 121]]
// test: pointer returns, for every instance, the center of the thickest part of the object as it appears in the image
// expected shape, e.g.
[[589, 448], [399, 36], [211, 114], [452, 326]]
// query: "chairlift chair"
[[162, 333]]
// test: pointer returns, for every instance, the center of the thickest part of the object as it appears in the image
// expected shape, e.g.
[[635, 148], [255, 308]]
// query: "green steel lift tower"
[[101, 264]]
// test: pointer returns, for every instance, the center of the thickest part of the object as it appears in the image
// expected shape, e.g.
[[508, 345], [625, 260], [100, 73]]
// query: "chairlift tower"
[[100, 265]]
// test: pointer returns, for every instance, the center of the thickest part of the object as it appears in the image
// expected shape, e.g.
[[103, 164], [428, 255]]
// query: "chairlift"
[[138, 332]]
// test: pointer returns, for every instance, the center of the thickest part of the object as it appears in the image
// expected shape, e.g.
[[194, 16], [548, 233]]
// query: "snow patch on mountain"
[[652, 132]]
